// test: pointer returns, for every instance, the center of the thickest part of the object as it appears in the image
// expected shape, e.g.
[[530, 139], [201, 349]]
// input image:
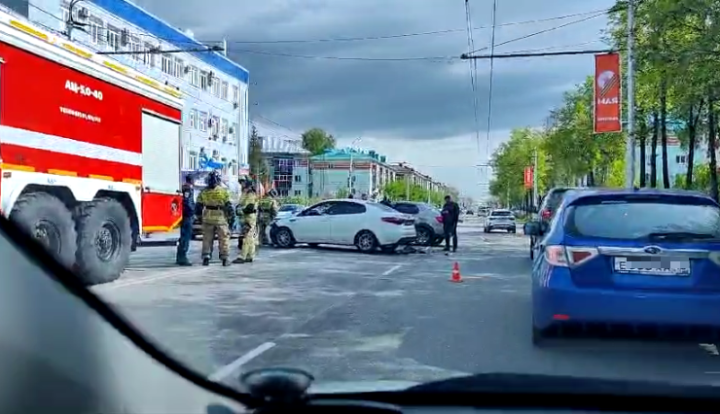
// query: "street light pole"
[[351, 181], [630, 144], [535, 179]]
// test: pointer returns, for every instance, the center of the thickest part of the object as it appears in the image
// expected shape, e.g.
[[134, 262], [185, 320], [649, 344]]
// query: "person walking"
[[268, 212], [249, 207], [186, 224], [218, 216], [451, 217]]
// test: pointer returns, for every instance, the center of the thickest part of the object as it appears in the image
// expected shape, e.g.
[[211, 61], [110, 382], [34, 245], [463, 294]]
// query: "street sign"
[[528, 177]]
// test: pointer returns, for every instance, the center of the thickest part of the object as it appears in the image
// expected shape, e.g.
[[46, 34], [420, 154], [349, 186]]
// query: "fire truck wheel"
[[47, 219], [104, 240]]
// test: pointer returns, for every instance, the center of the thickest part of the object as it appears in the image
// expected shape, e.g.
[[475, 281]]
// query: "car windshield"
[[554, 199], [383, 207], [501, 214], [637, 220]]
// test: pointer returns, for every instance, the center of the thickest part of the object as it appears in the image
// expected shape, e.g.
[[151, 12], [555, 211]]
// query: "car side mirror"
[[532, 228]]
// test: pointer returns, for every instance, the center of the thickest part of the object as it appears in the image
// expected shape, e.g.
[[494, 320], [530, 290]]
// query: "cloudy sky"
[[400, 88]]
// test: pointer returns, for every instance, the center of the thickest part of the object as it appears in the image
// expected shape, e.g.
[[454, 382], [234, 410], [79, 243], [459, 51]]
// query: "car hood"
[[359, 386]]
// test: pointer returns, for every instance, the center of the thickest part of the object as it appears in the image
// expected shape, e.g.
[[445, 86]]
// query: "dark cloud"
[[412, 99]]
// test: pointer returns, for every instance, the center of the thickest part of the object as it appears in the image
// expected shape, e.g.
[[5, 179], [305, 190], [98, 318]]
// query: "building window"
[[215, 125], [113, 37], [204, 80], [135, 46], [681, 159], [224, 90], [192, 160], [193, 118], [216, 87], [224, 127], [298, 193], [167, 64], [95, 30], [149, 58], [194, 76], [236, 94], [203, 121], [179, 67], [66, 11], [298, 179]]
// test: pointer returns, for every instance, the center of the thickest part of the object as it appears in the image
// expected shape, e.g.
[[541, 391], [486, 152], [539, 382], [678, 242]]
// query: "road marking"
[[230, 369], [140, 281], [391, 270], [710, 349]]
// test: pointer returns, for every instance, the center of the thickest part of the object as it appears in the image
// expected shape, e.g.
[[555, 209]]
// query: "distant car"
[[350, 222], [287, 210], [428, 221], [500, 220], [634, 258], [549, 205]]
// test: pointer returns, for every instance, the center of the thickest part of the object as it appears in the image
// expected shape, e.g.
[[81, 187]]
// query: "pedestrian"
[[217, 218], [249, 207], [186, 224], [451, 216], [267, 212]]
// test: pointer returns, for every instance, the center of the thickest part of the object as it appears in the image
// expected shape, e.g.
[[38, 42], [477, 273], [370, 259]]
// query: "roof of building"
[[278, 139], [143, 19], [345, 153]]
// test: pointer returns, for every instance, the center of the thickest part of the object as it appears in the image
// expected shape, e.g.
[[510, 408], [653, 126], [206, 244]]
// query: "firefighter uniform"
[[186, 225], [217, 218], [248, 205], [267, 212]]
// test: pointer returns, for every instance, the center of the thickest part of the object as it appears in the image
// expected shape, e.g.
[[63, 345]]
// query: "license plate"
[[665, 266]]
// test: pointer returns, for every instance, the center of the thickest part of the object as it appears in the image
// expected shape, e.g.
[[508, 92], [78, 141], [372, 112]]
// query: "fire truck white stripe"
[[25, 138]]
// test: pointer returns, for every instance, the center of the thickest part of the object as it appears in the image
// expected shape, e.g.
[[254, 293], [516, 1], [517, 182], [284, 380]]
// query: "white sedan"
[[349, 222]]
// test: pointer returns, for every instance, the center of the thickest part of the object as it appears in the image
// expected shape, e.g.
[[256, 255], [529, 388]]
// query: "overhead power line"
[[538, 54]]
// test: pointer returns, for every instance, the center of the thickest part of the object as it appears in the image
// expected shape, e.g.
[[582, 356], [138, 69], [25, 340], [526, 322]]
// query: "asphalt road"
[[346, 316]]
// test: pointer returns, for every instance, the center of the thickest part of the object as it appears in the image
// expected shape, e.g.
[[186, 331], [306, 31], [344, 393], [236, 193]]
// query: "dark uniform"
[[217, 218], [451, 216], [186, 225]]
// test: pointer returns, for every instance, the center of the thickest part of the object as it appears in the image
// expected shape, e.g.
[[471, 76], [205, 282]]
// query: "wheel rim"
[[283, 238], [107, 242], [423, 236], [365, 241], [48, 235]]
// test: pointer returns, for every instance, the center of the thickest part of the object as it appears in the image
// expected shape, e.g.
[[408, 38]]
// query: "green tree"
[[258, 164], [317, 141]]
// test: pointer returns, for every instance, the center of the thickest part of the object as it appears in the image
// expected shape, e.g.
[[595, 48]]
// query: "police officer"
[[186, 225], [267, 212], [217, 218], [249, 208]]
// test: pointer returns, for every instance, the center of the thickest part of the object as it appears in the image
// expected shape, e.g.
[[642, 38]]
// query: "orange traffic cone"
[[456, 278]]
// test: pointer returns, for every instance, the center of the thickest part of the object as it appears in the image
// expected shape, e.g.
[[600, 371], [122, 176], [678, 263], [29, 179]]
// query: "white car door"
[[346, 221], [312, 225]]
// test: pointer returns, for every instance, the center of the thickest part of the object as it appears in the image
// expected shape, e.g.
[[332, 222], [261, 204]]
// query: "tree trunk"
[[643, 155], [712, 132], [663, 133], [653, 150], [692, 131]]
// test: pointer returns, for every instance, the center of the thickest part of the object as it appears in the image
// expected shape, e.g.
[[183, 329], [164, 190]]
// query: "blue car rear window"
[[633, 220]]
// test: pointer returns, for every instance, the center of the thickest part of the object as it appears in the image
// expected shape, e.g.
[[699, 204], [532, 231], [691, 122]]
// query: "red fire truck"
[[89, 150]]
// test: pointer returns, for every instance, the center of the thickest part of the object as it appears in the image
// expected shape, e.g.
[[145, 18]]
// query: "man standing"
[[249, 207], [217, 218], [268, 212], [451, 216], [186, 224]]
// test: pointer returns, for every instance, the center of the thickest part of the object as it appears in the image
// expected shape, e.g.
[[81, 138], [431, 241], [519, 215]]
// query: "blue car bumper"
[[556, 301]]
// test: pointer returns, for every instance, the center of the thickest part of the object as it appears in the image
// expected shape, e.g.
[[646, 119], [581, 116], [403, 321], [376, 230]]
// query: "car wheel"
[[513, 230], [424, 236], [366, 241], [285, 238]]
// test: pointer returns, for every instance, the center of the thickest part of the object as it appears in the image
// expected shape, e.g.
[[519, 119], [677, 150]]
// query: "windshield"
[[149, 168], [632, 220]]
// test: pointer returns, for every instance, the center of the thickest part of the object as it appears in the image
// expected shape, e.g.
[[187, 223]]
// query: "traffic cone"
[[456, 278]]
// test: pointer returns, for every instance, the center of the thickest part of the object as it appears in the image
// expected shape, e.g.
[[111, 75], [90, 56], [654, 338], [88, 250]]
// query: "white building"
[[215, 88]]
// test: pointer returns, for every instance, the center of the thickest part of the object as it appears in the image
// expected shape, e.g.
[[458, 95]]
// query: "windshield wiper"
[[679, 236]]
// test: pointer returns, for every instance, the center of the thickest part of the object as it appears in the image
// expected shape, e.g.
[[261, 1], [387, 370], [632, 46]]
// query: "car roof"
[[572, 196], [501, 210]]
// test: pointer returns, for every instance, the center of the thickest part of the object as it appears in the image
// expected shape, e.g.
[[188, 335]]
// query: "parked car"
[[500, 219], [648, 258], [428, 221], [350, 222]]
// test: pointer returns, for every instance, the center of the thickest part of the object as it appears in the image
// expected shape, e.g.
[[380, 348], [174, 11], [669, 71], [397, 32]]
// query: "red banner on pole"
[[528, 177], [607, 97]]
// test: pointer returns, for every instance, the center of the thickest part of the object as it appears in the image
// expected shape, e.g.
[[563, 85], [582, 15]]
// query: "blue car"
[[628, 258]]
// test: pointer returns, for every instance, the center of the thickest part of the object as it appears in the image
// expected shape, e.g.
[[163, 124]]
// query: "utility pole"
[[407, 188], [535, 179], [351, 177], [630, 144]]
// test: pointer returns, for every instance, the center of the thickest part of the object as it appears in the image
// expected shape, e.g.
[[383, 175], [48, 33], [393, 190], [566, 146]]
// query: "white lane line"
[[144, 280], [230, 369], [391, 270]]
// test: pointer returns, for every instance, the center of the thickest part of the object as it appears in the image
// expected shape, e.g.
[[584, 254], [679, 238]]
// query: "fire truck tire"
[[104, 240], [43, 212]]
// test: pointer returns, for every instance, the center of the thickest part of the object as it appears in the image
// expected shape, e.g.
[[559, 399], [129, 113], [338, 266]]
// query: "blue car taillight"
[[569, 256]]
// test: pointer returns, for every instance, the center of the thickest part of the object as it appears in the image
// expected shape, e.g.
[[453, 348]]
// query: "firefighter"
[[186, 225], [268, 210], [244, 181], [249, 207], [217, 218]]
